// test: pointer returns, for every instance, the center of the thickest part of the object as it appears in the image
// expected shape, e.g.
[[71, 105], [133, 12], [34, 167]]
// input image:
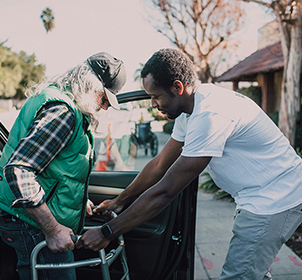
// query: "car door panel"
[[101, 187], [155, 247], [8, 257]]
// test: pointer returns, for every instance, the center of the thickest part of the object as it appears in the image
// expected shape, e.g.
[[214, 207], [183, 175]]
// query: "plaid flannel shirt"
[[49, 133]]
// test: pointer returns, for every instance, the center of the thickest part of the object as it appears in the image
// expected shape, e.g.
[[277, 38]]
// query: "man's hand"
[[59, 239], [93, 239], [111, 205], [89, 207]]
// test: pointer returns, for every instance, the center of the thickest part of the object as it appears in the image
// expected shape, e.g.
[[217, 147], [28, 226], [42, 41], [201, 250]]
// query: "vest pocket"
[[50, 194]]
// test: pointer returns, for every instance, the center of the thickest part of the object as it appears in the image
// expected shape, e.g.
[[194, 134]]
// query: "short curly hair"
[[168, 65]]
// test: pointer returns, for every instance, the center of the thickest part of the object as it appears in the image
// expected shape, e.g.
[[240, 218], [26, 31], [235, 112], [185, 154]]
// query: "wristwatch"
[[107, 232]]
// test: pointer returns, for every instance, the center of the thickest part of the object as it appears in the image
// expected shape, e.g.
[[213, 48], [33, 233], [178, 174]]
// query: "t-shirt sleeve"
[[206, 135], [179, 132]]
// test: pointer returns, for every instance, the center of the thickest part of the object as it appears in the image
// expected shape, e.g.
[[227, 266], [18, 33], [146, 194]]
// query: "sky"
[[85, 27]]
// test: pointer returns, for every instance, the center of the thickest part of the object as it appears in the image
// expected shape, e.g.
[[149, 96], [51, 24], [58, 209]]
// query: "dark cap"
[[111, 72]]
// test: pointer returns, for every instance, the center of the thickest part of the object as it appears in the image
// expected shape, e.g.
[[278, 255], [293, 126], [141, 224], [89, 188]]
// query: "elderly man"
[[46, 163]]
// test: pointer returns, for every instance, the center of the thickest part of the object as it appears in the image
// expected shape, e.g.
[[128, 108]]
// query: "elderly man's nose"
[[105, 106]]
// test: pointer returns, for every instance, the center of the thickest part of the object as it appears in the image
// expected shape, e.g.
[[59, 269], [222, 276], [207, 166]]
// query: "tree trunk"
[[290, 91]]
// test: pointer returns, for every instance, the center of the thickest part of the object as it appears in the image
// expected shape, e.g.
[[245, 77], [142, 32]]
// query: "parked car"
[[160, 249]]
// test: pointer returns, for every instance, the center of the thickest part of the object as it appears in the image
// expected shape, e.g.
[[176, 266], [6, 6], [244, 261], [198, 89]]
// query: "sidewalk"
[[213, 232]]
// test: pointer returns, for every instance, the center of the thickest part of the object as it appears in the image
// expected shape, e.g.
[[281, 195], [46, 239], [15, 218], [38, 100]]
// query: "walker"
[[104, 260]]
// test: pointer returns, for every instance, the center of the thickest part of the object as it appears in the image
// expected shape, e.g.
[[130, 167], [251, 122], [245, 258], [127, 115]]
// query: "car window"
[[126, 139], [129, 138]]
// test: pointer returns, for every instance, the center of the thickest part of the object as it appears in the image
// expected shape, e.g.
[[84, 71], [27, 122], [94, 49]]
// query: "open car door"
[[8, 257], [160, 249]]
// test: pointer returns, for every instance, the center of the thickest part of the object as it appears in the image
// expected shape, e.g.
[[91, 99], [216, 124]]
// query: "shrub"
[[253, 92], [208, 185]]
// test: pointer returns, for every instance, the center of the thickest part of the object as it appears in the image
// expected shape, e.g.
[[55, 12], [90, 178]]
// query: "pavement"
[[213, 232]]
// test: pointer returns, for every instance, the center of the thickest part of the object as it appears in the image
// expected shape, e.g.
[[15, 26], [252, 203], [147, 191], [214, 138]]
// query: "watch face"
[[107, 232]]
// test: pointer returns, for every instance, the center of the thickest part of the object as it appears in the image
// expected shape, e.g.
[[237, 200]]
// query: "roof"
[[265, 60]]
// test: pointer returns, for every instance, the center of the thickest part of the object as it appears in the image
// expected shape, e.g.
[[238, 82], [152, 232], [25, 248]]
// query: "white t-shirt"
[[251, 159]]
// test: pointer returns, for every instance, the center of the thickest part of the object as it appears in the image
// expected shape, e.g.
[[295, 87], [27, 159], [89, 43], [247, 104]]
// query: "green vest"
[[65, 179]]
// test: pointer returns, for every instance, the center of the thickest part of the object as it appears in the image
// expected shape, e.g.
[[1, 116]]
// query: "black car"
[[160, 249]]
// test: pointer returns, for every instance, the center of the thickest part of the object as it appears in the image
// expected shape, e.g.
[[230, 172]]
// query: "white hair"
[[80, 84]]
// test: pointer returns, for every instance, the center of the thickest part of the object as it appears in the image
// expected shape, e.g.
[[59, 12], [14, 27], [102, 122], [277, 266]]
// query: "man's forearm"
[[155, 199], [148, 205], [44, 218], [142, 182], [57, 236], [152, 172]]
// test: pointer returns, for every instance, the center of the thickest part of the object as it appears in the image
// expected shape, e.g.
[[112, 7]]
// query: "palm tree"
[[48, 18]]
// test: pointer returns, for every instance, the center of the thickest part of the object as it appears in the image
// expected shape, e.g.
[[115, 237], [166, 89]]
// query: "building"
[[265, 66]]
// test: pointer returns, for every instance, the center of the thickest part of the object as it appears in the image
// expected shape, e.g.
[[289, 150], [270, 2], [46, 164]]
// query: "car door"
[[162, 248], [8, 258]]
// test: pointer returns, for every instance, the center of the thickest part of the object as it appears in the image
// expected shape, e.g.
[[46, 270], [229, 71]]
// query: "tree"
[[48, 19], [10, 72], [31, 73], [289, 17], [198, 28], [17, 72]]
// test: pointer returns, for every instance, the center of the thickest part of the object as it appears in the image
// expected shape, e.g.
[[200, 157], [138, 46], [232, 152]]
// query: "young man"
[[245, 153], [46, 163]]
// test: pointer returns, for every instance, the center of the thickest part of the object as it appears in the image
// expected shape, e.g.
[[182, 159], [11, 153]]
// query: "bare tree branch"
[[268, 5], [197, 27]]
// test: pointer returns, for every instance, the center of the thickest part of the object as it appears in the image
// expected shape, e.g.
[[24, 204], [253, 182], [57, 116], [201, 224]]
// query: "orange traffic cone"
[[108, 143], [101, 164]]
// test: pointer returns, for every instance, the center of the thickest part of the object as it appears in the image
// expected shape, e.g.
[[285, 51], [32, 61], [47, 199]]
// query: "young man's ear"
[[178, 87]]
